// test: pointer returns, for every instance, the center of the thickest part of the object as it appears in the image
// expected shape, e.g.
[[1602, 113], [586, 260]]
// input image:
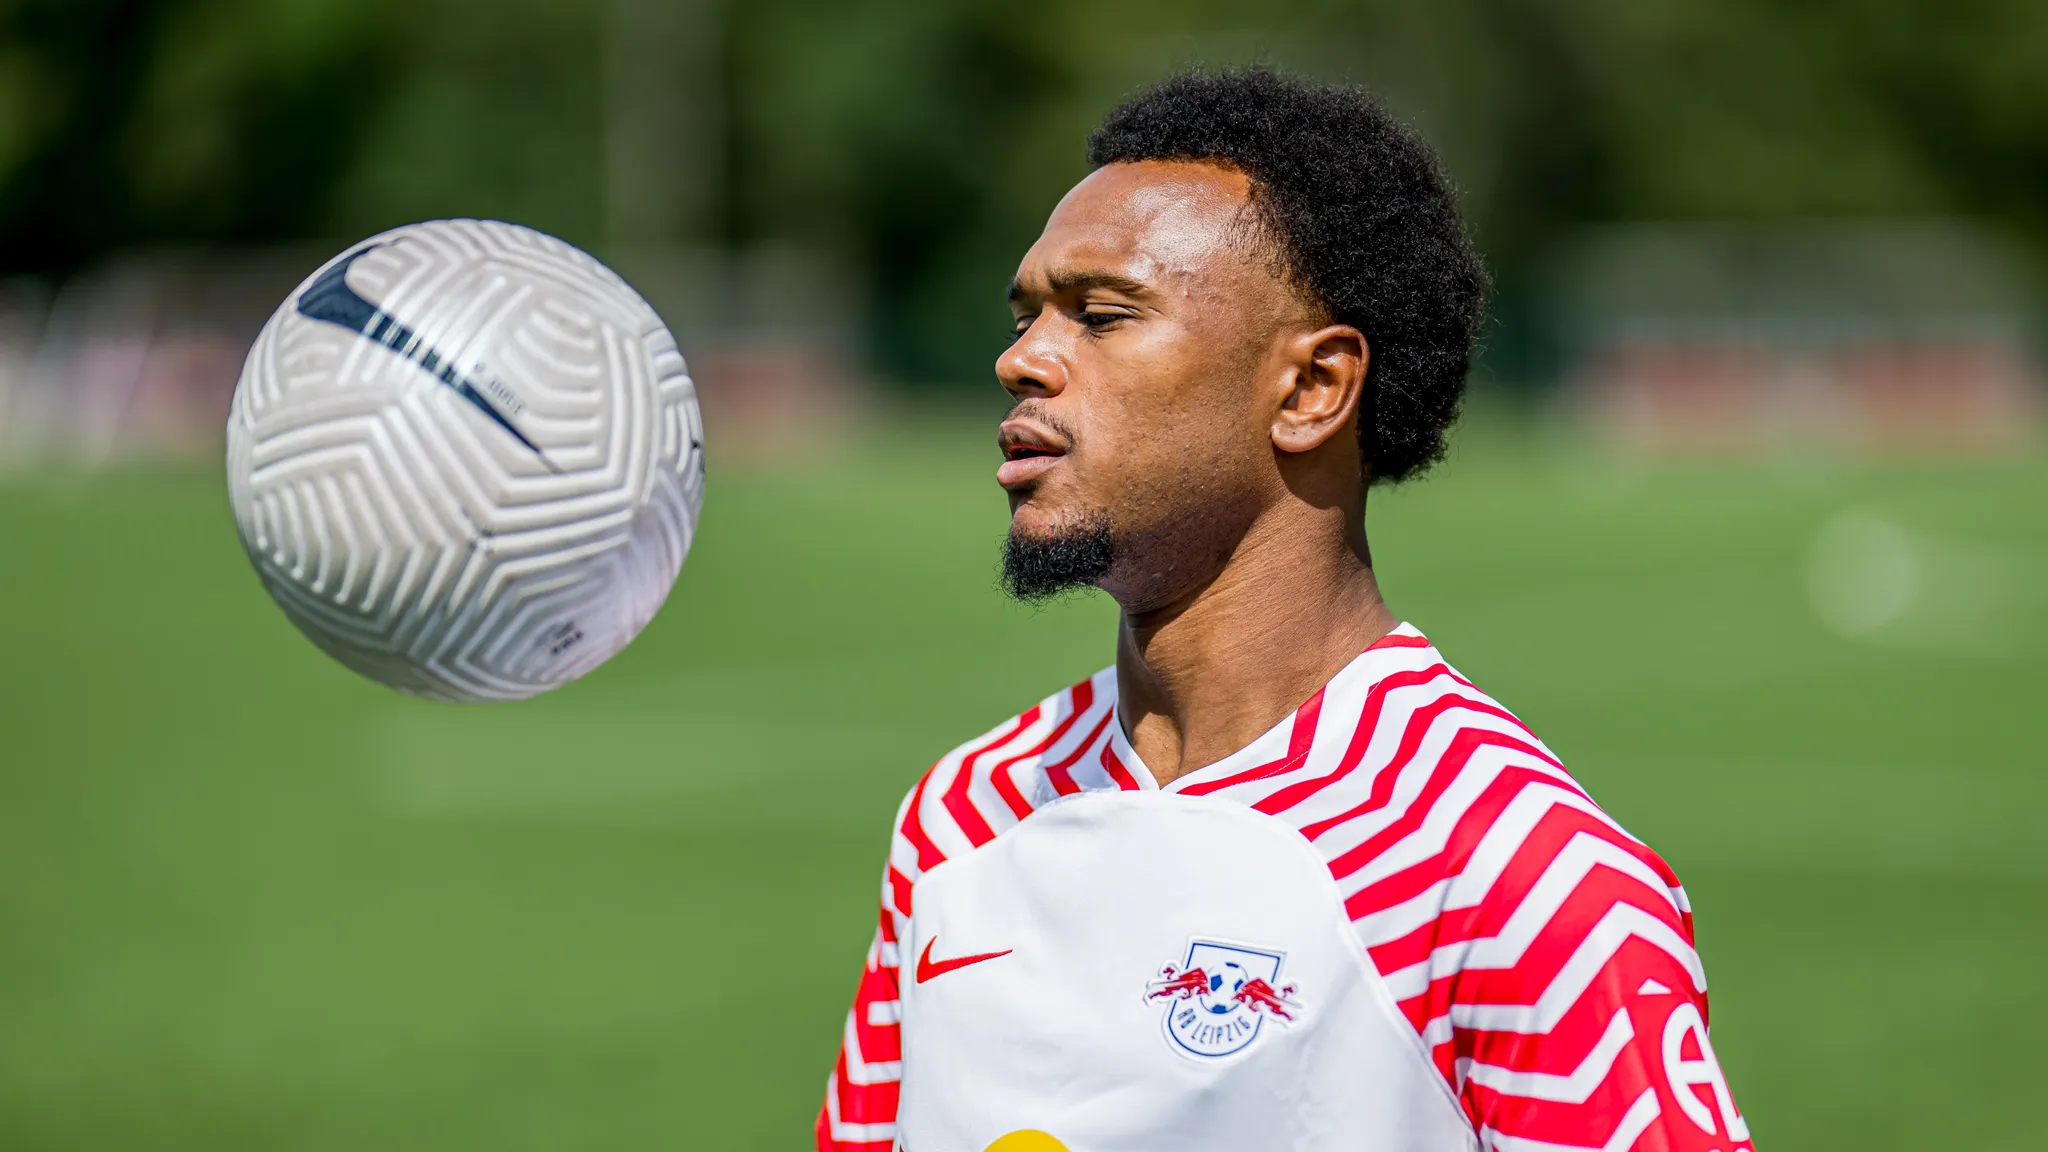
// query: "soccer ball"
[[1224, 987], [466, 460]]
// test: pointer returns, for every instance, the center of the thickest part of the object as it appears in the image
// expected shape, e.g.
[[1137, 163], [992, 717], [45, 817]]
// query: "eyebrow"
[[1067, 282]]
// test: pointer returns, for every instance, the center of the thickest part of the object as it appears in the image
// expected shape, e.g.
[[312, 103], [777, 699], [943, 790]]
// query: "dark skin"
[[1171, 383]]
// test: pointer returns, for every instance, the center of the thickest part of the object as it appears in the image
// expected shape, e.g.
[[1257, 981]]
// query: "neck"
[[1207, 673]]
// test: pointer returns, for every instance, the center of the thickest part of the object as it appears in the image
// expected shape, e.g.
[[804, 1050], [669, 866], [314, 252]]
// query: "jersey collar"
[[1279, 748]]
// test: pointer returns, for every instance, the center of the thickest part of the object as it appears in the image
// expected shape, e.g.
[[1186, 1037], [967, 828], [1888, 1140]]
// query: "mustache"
[[1036, 412]]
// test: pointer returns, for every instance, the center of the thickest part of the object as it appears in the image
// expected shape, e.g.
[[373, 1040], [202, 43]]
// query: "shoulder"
[[987, 785], [1544, 955], [1445, 820], [1490, 890]]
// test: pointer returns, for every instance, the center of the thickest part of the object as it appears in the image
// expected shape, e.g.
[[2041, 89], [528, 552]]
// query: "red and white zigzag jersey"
[[1393, 922]]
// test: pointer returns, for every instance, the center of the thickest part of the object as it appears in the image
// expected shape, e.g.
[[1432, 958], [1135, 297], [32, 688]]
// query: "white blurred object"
[[1872, 579], [1862, 573], [466, 460]]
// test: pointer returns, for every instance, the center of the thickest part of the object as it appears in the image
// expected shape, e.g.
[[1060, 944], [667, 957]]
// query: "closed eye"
[[1097, 318], [1092, 320]]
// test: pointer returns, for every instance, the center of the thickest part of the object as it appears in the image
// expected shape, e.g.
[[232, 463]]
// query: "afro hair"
[[1365, 222]]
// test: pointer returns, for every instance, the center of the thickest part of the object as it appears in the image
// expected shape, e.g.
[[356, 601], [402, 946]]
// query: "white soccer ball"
[[466, 460]]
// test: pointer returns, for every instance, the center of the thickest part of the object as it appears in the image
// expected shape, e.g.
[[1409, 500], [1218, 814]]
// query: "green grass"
[[248, 901]]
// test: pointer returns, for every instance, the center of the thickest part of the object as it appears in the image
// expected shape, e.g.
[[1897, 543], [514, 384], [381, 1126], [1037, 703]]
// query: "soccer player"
[[1282, 877]]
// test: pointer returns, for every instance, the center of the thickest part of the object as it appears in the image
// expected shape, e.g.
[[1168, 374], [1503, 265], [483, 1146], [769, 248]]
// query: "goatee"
[[1038, 569]]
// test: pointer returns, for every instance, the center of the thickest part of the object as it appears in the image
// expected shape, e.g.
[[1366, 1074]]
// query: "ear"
[[1326, 369]]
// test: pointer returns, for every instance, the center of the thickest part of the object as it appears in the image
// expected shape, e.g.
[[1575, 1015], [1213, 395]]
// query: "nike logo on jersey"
[[330, 299], [927, 968]]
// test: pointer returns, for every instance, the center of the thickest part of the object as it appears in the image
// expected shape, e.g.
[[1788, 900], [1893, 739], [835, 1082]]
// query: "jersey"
[[1392, 922]]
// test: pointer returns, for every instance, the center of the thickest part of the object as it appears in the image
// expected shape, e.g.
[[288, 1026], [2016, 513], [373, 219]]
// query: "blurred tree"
[[127, 122], [888, 131], [924, 140]]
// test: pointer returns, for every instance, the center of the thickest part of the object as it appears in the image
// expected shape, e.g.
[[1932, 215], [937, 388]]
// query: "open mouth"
[[1030, 452]]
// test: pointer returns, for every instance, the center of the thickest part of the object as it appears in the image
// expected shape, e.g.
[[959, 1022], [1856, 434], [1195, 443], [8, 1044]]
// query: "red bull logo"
[[1219, 997], [1177, 984], [1260, 996]]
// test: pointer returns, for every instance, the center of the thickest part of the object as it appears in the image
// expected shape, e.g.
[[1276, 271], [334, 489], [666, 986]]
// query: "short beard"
[[1036, 570]]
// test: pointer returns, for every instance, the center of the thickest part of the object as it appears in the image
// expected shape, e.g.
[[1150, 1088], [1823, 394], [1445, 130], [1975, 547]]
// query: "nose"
[[1029, 367]]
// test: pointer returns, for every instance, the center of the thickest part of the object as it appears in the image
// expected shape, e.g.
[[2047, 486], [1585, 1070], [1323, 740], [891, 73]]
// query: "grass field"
[[248, 901]]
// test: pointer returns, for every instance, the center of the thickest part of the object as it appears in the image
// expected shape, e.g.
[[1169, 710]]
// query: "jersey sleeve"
[[859, 1113], [1559, 991]]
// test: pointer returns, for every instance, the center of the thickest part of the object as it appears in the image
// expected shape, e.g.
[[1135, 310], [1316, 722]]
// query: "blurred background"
[[1746, 519]]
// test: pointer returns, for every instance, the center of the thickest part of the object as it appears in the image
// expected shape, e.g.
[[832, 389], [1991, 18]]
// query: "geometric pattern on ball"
[[466, 459]]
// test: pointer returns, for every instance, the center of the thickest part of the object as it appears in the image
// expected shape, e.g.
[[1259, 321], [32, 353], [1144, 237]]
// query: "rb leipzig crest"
[[1219, 997]]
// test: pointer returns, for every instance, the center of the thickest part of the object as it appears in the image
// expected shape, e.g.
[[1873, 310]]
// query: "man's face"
[[1139, 448]]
